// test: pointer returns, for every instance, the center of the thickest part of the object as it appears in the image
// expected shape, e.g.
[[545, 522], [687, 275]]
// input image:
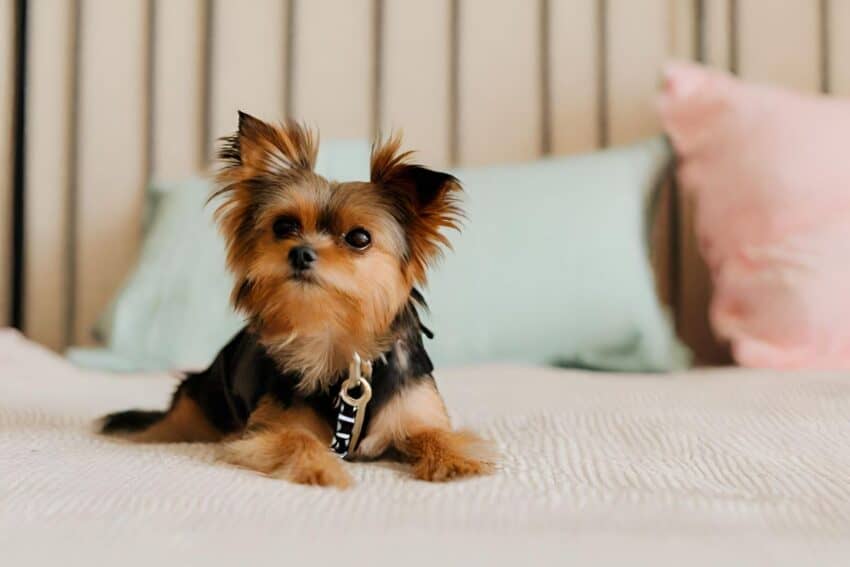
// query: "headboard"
[[97, 97]]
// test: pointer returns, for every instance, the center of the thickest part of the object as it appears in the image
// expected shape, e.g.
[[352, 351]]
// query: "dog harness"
[[354, 395]]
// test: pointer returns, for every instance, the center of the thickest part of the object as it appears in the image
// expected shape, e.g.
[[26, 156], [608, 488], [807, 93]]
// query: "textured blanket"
[[701, 467]]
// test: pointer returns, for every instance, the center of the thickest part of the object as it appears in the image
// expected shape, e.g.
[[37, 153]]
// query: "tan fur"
[[440, 455], [184, 422], [291, 444], [270, 414], [314, 327], [415, 423], [410, 411]]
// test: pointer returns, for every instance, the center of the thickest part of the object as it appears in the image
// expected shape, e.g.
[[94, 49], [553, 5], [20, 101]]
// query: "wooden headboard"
[[97, 97]]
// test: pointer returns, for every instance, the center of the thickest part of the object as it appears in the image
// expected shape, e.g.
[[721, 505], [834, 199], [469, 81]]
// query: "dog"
[[324, 271]]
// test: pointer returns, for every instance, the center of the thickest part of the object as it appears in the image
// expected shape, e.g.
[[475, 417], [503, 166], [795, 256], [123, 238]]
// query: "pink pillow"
[[770, 173]]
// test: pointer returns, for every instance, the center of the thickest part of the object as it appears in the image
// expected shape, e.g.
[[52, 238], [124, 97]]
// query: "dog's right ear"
[[261, 148]]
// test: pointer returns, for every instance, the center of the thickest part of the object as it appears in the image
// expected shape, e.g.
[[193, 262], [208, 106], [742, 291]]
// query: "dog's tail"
[[129, 422]]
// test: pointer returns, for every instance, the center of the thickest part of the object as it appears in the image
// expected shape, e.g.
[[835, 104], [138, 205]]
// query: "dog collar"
[[354, 395]]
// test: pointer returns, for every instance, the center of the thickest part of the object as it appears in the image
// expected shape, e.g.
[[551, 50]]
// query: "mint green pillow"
[[552, 267], [174, 306]]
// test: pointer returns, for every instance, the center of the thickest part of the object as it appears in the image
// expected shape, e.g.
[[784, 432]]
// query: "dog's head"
[[313, 255]]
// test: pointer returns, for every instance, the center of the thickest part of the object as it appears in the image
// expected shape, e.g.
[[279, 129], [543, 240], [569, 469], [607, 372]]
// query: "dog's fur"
[[269, 393]]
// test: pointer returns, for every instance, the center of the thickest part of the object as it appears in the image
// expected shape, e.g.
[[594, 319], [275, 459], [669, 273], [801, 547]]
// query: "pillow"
[[768, 170], [174, 311], [552, 267]]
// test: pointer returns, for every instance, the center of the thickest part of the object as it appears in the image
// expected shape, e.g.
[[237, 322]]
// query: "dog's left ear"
[[424, 201]]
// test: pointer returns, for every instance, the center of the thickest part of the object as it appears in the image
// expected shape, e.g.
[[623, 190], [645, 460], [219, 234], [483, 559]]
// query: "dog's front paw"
[[450, 467], [295, 456], [255, 452], [439, 455], [316, 472]]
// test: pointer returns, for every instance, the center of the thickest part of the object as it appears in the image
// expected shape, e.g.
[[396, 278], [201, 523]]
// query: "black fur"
[[428, 183], [130, 421]]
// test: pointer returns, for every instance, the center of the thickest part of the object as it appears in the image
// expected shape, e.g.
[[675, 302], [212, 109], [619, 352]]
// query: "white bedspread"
[[690, 469]]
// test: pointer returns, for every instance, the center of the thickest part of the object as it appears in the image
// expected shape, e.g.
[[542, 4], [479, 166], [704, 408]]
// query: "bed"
[[708, 466]]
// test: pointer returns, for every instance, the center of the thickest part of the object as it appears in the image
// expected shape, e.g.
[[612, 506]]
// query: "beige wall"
[[124, 91]]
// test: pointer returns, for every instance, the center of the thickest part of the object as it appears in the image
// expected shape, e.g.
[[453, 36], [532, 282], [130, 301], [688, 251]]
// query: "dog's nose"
[[302, 257]]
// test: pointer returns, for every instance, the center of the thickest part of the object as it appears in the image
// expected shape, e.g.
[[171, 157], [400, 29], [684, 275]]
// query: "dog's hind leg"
[[184, 421]]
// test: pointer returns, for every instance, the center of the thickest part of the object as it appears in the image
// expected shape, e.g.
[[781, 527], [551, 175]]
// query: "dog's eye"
[[285, 226], [358, 238]]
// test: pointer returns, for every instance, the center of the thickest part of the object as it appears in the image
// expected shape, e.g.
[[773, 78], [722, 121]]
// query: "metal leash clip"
[[352, 410]]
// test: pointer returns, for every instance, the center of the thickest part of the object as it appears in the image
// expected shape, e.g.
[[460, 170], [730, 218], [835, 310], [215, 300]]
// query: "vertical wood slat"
[[415, 84], [716, 30], [499, 89], [178, 88], [839, 46], [7, 91], [111, 152], [334, 66], [683, 31], [662, 245], [778, 42], [694, 290], [50, 65], [573, 75], [638, 45], [249, 62]]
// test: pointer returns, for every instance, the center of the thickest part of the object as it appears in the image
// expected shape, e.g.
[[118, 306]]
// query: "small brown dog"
[[323, 270]]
